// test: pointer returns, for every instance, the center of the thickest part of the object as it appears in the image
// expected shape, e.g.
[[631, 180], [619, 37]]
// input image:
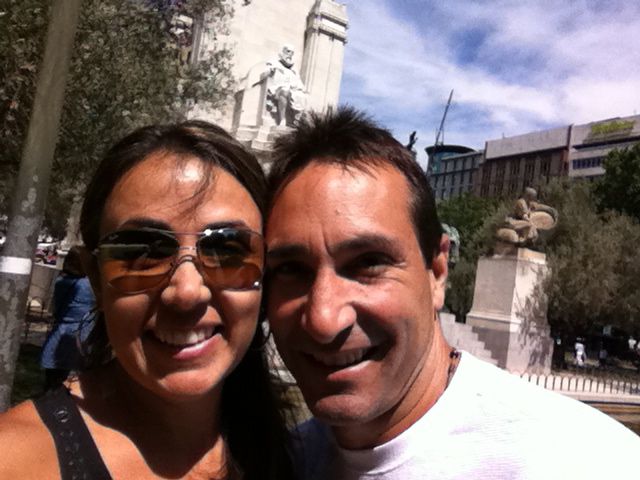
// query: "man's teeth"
[[191, 337], [341, 359]]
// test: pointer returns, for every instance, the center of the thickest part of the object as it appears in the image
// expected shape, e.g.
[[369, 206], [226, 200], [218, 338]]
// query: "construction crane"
[[440, 132], [433, 164]]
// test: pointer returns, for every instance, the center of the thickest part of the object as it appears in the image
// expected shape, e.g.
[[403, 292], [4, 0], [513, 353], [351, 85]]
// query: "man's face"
[[350, 300]]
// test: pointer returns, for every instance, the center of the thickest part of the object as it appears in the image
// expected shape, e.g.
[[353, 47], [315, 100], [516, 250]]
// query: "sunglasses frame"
[[178, 259]]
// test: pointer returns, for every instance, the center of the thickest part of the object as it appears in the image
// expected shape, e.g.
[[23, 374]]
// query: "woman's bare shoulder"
[[26, 445]]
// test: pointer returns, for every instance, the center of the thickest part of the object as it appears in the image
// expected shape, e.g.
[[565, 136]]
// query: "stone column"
[[325, 37], [509, 311]]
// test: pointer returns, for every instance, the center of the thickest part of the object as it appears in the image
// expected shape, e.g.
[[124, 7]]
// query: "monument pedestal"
[[509, 311]]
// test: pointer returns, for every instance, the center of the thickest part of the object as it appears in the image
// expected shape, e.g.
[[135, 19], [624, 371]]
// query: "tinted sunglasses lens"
[[136, 260], [232, 259]]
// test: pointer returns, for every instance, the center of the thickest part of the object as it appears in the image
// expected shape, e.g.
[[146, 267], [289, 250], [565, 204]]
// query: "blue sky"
[[515, 66]]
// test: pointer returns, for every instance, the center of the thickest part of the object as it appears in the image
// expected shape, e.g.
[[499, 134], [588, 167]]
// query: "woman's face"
[[182, 338]]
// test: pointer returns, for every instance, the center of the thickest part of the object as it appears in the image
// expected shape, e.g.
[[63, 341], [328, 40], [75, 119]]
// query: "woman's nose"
[[186, 288]]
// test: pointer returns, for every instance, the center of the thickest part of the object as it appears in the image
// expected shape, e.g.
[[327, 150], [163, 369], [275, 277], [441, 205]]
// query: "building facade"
[[456, 170], [592, 142], [508, 165], [514, 163]]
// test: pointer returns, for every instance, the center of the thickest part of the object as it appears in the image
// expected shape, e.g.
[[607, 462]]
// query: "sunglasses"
[[134, 261]]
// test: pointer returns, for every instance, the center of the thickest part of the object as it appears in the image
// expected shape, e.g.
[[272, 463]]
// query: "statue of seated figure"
[[521, 227], [286, 98]]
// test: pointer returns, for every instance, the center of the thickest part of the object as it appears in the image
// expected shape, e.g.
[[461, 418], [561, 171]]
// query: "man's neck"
[[429, 384]]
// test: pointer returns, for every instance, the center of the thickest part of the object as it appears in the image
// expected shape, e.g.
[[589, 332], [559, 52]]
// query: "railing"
[[583, 384]]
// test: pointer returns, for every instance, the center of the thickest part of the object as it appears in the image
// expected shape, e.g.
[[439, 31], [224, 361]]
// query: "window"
[[528, 171], [591, 162]]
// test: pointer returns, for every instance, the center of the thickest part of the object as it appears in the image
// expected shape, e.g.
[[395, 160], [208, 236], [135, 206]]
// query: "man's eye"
[[369, 264], [288, 271]]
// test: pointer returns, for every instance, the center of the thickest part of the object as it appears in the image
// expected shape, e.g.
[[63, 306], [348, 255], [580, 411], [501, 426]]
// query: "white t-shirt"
[[488, 424]]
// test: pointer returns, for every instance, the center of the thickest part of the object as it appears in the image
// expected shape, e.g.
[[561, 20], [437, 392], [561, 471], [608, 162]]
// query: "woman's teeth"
[[341, 359], [182, 338]]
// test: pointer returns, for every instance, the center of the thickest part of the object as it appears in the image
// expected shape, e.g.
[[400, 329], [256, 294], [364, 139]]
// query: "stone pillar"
[[325, 37], [509, 311]]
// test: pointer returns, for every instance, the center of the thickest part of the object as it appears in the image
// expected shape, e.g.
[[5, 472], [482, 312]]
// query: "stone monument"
[[266, 37], [509, 311]]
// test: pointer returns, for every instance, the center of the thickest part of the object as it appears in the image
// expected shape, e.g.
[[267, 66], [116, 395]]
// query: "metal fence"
[[584, 384]]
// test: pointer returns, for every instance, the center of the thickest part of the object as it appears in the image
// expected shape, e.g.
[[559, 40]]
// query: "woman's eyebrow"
[[226, 224], [146, 222]]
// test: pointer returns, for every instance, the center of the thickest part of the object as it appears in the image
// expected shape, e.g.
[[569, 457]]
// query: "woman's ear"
[[91, 270], [440, 270]]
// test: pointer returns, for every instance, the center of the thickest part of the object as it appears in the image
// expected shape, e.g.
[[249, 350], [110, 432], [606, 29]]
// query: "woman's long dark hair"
[[252, 412]]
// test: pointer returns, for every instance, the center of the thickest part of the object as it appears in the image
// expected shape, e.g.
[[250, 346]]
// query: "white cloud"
[[536, 64]]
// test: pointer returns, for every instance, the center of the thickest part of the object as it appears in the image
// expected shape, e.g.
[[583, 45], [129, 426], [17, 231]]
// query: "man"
[[357, 268]]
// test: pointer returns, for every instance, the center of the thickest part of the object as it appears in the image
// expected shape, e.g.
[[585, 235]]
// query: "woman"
[[72, 300], [175, 384]]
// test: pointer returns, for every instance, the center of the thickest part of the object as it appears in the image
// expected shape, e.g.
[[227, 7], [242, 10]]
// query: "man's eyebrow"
[[285, 251], [359, 243], [367, 242]]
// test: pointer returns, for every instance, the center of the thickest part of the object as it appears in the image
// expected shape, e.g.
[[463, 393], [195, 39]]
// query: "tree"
[[126, 72], [466, 213], [594, 260], [619, 188], [472, 216]]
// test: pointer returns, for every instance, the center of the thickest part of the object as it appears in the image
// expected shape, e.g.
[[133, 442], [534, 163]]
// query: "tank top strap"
[[78, 455]]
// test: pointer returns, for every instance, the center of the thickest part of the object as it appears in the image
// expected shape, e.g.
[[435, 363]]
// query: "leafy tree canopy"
[[594, 260], [594, 257], [619, 188], [125, 72], [467, 213], [473, 217]]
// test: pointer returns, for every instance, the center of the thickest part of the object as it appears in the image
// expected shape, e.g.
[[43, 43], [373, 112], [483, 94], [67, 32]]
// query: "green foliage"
[[594, 257], [23, 24], [473, 217], [467, 213], [619, 188], [125, 73], [594, 260]]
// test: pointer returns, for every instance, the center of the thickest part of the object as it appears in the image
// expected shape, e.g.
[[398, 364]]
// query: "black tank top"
[[78, 455]]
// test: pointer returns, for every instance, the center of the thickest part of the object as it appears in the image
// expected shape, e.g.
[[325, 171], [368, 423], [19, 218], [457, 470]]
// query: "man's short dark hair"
[[349, 138]]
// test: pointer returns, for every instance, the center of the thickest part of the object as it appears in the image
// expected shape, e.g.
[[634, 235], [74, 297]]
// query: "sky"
[[515, 66]]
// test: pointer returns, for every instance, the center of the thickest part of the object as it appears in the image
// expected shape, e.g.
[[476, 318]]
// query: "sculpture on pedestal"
[[521, 227], [286, 96]]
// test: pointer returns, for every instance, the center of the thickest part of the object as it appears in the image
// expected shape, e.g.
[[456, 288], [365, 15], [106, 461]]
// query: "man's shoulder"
[[506, 401]]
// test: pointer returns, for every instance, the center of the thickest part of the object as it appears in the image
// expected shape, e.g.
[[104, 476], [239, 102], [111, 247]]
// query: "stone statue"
[[413, 138], [286, 98], [521, 227]]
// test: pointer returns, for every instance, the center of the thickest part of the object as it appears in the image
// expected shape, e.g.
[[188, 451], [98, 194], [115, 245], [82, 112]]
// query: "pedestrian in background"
[[72, 300]]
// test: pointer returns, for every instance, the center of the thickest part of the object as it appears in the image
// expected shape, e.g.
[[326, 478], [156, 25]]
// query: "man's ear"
[[90, 268], [440, 270]]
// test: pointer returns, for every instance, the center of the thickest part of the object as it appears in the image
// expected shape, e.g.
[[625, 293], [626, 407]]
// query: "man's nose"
[[186, 288], [329, 310]]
